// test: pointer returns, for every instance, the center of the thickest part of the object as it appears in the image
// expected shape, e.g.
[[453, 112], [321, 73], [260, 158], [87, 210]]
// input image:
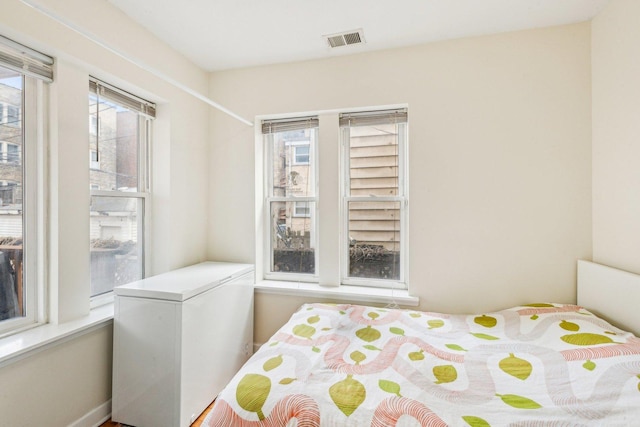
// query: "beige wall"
[[616, 135], [63, 383], [500, 161]]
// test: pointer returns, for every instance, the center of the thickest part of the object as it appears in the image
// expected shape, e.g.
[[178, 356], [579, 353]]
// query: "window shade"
[[371, 118], [284, 125], [24, 60], [119, 96]]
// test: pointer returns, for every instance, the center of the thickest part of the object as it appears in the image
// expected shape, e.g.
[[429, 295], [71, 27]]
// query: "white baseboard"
[[95, 417]]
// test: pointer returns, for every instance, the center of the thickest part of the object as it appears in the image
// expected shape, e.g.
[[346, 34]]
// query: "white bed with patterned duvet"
[[541, 364]]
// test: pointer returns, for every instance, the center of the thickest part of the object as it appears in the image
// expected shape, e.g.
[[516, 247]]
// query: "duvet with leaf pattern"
[[350, 365]]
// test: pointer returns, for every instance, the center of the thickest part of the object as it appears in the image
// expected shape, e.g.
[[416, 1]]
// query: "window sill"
[[23, 344], [361, 294]]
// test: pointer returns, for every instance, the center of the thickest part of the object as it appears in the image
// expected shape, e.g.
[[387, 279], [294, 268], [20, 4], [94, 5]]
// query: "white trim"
[[95, 417], [18, 346], [359, 294], [401, 198]]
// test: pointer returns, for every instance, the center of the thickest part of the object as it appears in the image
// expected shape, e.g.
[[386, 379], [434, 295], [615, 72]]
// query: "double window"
[[119, 141], [371, 207], [23, 74]]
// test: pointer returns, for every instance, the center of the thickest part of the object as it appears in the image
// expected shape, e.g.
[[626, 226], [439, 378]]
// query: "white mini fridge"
[[178, 338]]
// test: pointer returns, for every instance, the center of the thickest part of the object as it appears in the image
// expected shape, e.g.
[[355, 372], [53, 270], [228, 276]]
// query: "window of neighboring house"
[[374, 197], [301, 209], [118, 213], [23, 73], [12, 153], [93, 159], [301, 154], [291, 198], [13, 116]]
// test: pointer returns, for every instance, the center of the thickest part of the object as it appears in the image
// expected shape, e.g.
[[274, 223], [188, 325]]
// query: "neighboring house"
[[374, 172], [10, 161]]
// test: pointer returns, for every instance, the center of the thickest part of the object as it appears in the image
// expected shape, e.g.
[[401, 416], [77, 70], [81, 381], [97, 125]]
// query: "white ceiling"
[[223, 34]]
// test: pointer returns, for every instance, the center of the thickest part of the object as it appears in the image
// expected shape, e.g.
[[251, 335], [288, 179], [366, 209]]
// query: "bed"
[[542, 364]]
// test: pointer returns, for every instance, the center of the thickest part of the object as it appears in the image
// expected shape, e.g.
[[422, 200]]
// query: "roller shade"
[[284, 125], [372, 118], [24, 60], [120, 97]]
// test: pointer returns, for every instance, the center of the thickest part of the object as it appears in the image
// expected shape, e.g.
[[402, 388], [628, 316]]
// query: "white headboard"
[[610, 293]]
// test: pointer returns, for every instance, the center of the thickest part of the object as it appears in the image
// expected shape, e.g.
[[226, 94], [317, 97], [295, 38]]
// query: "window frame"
[[329, 148], [401, 198], [143, 195], [33, 118], [267, 140]]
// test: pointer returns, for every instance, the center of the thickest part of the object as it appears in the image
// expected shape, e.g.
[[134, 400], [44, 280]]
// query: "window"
[[301, 154], [301, 209], [364, 222], [291, 197], [374, 196], [93, 159], [118, 162], [22, 76]]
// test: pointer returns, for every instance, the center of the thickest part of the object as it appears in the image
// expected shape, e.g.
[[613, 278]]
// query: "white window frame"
[[267, 140], [401, 198], [33, 122], [331, 273], [145, 126]]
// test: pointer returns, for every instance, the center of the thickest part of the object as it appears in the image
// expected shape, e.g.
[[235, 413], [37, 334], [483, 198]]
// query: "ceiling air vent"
[[346, 38]]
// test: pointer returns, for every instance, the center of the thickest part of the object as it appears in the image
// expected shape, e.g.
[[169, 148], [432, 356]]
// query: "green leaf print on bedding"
[[475, 421], [455, 347], [313, 319], [589, 365], [519, 402], [252, 392], [348, 395], [516, 367], [396, 331], [435, 323], [304, 331], [368, 334], [586, 338], [357, 357], [416, 355], [445, 374], [484, 336], [486, 321], [272, 363], [569, 326], [390, 387]]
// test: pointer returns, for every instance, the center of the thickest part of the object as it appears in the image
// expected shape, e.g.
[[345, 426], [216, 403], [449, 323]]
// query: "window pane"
[[374, 240], [292, 169], [292, 238], [373, 160], [116, 254], [12, 291], [114, 166]]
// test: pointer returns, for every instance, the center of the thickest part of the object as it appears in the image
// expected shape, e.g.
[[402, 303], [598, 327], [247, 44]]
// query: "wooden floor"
[[197, 423]]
